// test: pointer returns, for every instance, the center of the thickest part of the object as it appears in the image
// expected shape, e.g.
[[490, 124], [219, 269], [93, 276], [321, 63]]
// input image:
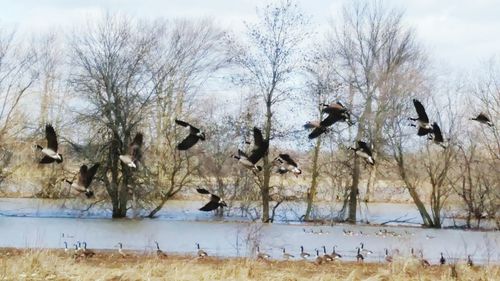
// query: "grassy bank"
[[57, 265]]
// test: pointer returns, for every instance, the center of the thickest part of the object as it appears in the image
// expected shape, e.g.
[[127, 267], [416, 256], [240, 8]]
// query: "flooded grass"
[[18, 264]]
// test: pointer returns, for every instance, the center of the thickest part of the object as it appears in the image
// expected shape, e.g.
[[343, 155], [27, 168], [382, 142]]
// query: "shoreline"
[[45, 264]]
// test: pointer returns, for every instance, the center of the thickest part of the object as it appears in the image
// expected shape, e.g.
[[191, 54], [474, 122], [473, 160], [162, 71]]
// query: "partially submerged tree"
[[371, 46], [268, 59], [109, 74]]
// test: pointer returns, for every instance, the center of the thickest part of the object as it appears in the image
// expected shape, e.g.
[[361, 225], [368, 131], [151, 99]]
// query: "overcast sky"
[[457, 34]]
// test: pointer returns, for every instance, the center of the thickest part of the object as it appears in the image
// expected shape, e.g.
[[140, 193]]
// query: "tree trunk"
[[311, 194], [354, 192], [267, 166], [372, 178]]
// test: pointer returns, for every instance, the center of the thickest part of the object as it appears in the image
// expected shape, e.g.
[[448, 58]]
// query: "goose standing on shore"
[[85, 177], [120, 250], [50, 152], [442, 260], [194, 136], [262, 255], [334, 254], [134, 153], [303, 254], [200, 252], [159, 253], [286, 255], [326, 257], [359, 256]]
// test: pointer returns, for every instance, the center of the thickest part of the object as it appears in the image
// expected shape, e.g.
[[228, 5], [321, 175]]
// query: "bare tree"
[[109, 74], [268, 60], [371, 45], [17, 76], [188, 54]]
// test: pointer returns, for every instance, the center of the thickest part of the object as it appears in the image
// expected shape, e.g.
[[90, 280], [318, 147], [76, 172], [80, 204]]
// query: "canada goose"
[[76, 252], [120, 250], [437, 136], [347, 232], [66, 250], [423, 260], [195, 134], [363, 151], [365, 251], [86, 252], [159, 253], [286, 255], [201, 254], [359, 256], [134, 153], [427, 236], [319, 259], [262, 255], [326, 256], [423, 126], [286, 164], [387, 257], [469, 261], [50, 151], [85, 177], [318, 129], [442, 260], [303, 254], [482, 118], [334, 254], [338, 109], [259, 150], [214, 203]]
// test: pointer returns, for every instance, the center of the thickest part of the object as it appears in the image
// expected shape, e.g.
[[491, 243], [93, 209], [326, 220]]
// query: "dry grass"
[[57, 265]]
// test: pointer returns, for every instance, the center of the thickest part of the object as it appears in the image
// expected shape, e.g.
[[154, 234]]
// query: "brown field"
[[57, 265]]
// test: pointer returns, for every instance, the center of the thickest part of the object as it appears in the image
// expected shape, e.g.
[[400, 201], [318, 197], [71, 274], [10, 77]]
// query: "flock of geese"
[[282, 164], [81, 251]]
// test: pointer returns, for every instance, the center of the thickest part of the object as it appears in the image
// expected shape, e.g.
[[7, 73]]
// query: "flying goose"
[[259, 150], [339, 110], [318, 129], [134, 154], [262, 255], [85, 176], [195, 134], [326, 256], [387, 257], [334, 254], [286, 255], [50, 151], [159, 253], [286, 164], [423, 126], [214, 203], [303, 254], [483, 118], [437, 136], [363, 151], [442, 260], [201, 253]]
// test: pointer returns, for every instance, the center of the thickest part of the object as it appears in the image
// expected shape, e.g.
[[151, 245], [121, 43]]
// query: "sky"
[[457, 34]]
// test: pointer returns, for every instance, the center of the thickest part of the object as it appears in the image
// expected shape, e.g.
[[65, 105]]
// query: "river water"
[[32, 223]]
